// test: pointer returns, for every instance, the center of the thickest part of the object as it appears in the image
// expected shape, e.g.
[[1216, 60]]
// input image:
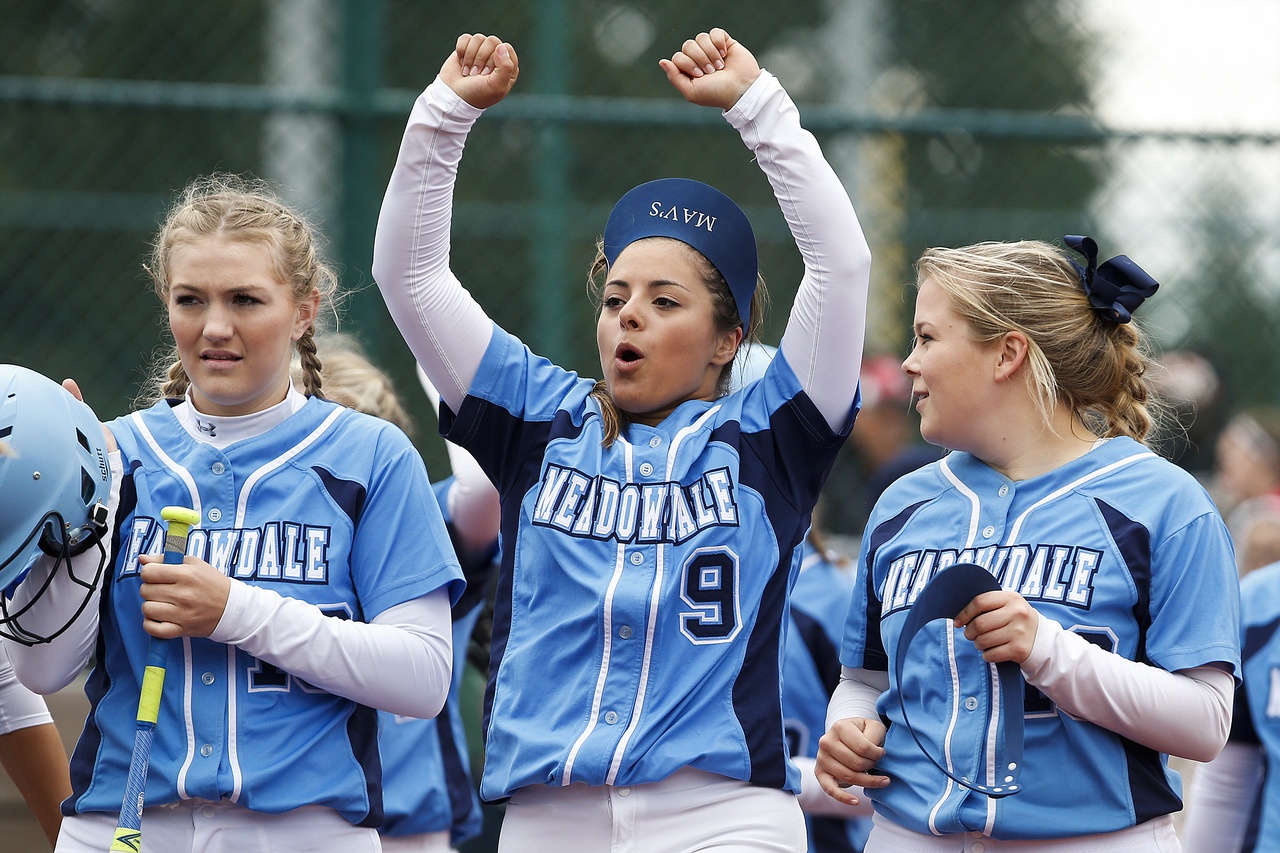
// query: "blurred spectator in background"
[[1247, 484], [1189, 387]]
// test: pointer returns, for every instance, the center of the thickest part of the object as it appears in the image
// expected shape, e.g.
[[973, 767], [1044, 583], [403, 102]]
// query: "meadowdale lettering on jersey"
[[596, 507], [285, 551], [1063, 574]]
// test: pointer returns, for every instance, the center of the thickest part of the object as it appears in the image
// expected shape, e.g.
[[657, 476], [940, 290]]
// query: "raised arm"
[[824, 336], [445, 328]]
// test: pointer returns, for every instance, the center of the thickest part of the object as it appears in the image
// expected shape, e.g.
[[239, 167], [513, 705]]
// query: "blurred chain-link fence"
[[950, 122]]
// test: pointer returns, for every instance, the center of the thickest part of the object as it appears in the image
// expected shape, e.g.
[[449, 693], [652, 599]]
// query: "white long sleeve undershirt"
[[448, 331], [400, 662]]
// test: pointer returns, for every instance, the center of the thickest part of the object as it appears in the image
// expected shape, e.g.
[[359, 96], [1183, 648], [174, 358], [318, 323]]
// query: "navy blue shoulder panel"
[[874, 655], [1152, 794], [787, 467], [347, 494], [1134, 543]]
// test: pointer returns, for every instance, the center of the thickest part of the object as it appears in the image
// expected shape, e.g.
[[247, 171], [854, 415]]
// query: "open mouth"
[[627, 354]]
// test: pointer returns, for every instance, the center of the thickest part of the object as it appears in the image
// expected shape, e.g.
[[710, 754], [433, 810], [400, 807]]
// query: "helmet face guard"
[[55, 484], [11, 627]]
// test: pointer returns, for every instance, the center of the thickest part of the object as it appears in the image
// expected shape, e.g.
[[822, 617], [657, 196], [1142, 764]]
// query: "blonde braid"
[[312, 376], [175, 382]]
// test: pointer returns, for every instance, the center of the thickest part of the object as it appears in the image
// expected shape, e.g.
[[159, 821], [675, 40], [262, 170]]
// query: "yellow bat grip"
[[180, 520]]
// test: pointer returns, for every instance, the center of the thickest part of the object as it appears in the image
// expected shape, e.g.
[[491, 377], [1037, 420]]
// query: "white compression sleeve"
[[1221, 798], [856, 694], [825, 332], [1186, 713], [49, 667], [400, 662], [445, 328]]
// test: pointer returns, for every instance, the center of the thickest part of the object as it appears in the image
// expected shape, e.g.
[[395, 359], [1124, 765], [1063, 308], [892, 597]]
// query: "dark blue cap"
[[696, 214]]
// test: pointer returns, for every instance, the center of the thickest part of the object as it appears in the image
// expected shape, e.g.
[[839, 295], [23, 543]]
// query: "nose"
[[629, 314], [908, 363], [218, 325]]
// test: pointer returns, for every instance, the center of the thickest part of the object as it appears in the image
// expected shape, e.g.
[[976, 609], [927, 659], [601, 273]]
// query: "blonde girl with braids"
[[315, 589], [1113, 612]]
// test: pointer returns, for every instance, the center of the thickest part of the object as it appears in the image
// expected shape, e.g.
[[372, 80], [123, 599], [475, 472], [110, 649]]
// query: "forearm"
[[856, 694], [400, 662], [824, 337], [1184, 713], [445, 328]]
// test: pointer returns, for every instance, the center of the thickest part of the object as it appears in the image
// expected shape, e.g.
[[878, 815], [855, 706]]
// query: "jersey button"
[[215, 514], [207, 678], [988, 531], [1004, 490], [646, 469], [636, 558], [206, 750], [978, 847], [625, 632], [655, 441], [217, 467], [624, 792], [971, 703], [208, 811], [611, 717]]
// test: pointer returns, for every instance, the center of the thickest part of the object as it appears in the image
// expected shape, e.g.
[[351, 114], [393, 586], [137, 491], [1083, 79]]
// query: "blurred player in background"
[[1234, 806], [316, 587], [635, 651], [1118, 596], [430, 801]]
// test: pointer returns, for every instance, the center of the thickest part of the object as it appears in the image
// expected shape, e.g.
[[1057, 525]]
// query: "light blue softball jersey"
[[641, 604], [331, 507], [1120, 546]]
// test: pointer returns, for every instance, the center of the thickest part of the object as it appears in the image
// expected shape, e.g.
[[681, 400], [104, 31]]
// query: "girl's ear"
[[1011, 354], [727, 347], [307, 310]]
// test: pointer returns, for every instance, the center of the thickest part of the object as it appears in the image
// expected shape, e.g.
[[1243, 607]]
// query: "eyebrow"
[[660, 282]]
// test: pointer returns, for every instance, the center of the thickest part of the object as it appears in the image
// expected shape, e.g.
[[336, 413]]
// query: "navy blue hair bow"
[[1117, 287]]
